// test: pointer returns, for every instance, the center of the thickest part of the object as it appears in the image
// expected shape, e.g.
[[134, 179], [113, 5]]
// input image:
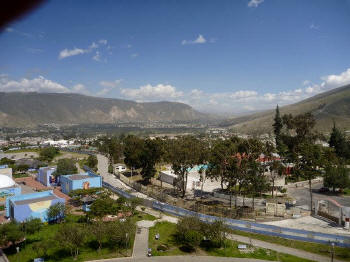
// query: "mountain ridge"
[[30, 109]]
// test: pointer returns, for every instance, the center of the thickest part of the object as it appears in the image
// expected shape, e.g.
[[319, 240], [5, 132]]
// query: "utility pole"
[[332, 252]]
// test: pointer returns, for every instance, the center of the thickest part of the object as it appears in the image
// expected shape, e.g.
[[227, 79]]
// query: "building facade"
[[45, 176], [35, 205], [80, 181]]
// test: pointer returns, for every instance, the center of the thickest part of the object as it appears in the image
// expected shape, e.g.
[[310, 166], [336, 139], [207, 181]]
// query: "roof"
[[35, 200], [6, 181], [78, 177]]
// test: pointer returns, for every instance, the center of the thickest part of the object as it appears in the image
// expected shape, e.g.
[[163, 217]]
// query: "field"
[[166, 231]]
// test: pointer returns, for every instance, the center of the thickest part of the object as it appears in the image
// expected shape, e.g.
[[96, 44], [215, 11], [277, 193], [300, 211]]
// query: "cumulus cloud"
[[199, 40], [255, 3], [97, 56], [39, 84], [134, 55], [150, 93]]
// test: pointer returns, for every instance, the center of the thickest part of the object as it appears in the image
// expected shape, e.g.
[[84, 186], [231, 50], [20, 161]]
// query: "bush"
[[31, 226], [48, 153]]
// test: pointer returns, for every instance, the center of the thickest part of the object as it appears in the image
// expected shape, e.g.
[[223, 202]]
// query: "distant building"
[[8, 188], [34, 205], [80, 181], [45, 176], [31, 163]]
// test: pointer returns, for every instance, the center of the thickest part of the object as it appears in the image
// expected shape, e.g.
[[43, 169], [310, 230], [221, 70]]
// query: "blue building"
[[34, 205], [45, 176], [80, 181]]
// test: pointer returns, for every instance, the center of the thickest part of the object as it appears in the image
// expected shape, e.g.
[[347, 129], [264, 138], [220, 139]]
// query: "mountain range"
[[19, 109], [327, 108]]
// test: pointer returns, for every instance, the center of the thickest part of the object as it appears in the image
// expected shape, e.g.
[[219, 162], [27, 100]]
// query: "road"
[[302, 196]]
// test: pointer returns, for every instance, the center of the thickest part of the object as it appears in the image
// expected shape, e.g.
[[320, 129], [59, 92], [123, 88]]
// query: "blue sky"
[[218, 56]]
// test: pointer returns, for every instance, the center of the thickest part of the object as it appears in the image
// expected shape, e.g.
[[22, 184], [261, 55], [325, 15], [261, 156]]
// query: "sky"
[[218, 56]]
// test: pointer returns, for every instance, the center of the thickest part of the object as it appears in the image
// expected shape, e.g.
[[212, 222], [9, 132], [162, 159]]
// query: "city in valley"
[[175, 130]]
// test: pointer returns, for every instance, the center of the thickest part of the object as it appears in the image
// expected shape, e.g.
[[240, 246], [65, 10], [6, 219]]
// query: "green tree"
[[56, 212], [120, 233], [10, 233], [338, 141], [189, 232], [92, 161], [99, 230], [257, 182], [72, 237], [215, 232], [48, 153], [150, 155], [103, 206], [184, 155], [32, 226], [277, 127], [65, 166], [133, 150], [336, 176]]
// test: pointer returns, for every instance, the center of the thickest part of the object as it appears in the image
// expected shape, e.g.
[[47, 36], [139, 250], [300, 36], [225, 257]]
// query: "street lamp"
[[332, 251]]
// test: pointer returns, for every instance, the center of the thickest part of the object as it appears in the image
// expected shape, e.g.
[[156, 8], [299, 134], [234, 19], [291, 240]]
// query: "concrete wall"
[[44, 175], [68, 185]]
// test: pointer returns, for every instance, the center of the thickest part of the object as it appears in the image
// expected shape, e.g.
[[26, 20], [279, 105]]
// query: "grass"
[[346, 191], [321, 249], [143, 216], [166, 231], [20, 175], [56, 253]]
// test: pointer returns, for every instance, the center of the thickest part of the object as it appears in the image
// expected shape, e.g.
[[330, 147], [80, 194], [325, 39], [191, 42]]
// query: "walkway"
[[180, 258], [141, 238]]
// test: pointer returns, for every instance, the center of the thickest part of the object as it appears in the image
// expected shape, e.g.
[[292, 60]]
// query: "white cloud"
[[134, 55], [111, 84], [151, 93], [103, 41], [199, 40], [79, 51], [67, 53], [97, 56], [39, 84], [314, 27], [255, 3], [332, 81]]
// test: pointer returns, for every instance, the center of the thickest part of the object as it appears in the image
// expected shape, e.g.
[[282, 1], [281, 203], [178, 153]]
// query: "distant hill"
[[18, 109], [333, 105]]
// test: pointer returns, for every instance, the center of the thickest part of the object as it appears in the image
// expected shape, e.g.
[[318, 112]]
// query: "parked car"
[[323, 190]]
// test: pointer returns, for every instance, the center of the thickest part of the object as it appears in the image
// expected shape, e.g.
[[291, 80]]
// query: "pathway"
[[141, 238], [180, 258]]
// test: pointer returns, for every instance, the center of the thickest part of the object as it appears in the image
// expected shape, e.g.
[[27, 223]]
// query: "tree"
[[310, 163], [92, 161], [133, 203], [338, 141], [103, 206], [32, 226], [257, 181], [56, 212], [277, 128], [133, 149], [10, 233], [276, 170], [150, 155], [215, 232], [65, 166], [183, 156], [120, 232], [336, 176], [72, 237], [48, 153], [189, 232], [99, 229]]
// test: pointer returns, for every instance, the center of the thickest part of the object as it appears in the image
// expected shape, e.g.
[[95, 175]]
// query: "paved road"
[[302, 196], [181, 259]]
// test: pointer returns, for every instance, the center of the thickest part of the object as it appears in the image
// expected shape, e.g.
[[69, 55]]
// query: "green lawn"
[[57, 253], [346, 191], [321, 249], [166, 231]]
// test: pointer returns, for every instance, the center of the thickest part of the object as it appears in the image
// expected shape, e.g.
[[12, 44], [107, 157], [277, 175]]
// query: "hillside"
[[327, 107], [31, 109]]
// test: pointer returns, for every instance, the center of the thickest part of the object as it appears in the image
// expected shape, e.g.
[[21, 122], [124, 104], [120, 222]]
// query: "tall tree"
[[133, 149], [336, 176], [257, 182], [150, 155], [277, 128], [338, 141], [65, 166], [183, 156]]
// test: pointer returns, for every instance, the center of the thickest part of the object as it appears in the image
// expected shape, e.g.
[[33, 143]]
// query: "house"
[[35, 205], [80, 181], [45, 176]]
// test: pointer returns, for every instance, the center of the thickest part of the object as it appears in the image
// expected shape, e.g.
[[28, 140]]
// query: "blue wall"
[[8, 192], [34, 210], [68, 185], [44, 175]]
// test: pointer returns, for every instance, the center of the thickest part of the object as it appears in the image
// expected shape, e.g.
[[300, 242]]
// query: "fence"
[[289, 233]]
